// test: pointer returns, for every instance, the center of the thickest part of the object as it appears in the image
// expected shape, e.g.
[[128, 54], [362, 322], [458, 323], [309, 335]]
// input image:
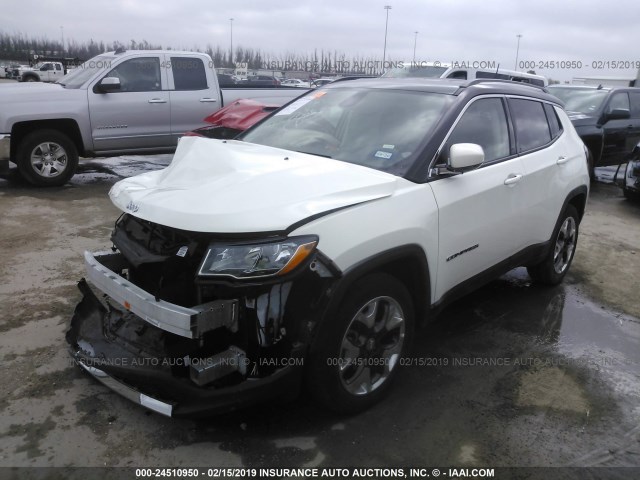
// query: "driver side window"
[[138, 75], [485, 124]]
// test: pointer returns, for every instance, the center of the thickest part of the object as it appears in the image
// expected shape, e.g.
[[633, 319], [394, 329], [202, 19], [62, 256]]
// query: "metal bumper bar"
[[183, 321]]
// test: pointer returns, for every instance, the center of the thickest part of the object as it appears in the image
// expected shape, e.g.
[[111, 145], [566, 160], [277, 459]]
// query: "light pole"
[[517, 50], [231, 23], [415, 41], [62, 37], [386, 25]]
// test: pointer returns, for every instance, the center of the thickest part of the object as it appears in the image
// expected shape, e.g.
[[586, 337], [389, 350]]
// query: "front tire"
[[359, 351], [47, 158], [552, 270]]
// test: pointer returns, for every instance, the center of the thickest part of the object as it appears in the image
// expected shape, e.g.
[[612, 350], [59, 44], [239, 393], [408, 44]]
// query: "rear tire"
[[47, 158], [358, 351], [552, 270]]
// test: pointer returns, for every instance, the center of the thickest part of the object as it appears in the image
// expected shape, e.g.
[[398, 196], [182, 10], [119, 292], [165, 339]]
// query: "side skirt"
[[528, 256]]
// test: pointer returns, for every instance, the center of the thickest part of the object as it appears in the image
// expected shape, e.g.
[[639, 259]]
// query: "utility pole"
[[231, 23], [386, 25], [517, 50], [415, 41]]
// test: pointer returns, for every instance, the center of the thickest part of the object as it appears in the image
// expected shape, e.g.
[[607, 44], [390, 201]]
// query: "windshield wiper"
[[316, 154]]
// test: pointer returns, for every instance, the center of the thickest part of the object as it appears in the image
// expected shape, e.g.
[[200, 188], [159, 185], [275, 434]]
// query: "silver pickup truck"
[[118, 102]]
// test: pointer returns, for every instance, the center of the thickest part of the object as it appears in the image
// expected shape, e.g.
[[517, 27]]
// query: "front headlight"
[[256, 260]]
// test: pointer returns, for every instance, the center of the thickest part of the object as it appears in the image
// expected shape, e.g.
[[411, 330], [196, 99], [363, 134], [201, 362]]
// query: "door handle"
[[562, 160], [208, 100], [157, 100], [513, 179]]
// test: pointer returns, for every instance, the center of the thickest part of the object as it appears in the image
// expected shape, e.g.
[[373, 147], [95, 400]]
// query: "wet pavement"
[[511, 375]]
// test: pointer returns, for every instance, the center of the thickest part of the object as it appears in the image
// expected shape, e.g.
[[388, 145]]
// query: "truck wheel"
[[47, 158], [359, 350], [29, 78], [555, 266]]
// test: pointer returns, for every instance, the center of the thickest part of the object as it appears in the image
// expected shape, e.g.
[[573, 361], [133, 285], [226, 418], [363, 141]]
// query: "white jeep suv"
[[304, 253]]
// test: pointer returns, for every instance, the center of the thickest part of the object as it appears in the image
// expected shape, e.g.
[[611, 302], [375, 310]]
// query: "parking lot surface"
[[512, 375]]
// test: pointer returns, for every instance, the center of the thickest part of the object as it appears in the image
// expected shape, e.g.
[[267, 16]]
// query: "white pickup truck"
[[40, 72], [118, 102]]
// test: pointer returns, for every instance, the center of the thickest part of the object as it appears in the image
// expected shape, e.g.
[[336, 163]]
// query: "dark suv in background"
[[262, 80], [606, 118]]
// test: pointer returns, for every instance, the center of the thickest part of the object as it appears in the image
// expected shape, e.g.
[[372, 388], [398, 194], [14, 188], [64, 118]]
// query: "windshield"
[[380, 129], [583, 100], [86, 71], [415, 72]]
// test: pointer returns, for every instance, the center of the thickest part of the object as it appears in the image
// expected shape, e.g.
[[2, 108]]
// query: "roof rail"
[[478, 81], [353, 77]]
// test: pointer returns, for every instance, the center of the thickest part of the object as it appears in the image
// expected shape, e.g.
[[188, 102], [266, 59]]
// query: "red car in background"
[[229, 121]]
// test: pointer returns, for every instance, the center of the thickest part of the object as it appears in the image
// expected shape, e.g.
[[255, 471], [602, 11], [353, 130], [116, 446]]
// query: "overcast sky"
[[586, 31]]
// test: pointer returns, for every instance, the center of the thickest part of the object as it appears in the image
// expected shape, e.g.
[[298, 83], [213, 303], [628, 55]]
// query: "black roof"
[[450, 86]]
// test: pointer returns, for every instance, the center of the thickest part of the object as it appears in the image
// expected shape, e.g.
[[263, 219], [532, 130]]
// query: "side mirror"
[[108, 84], [618, 114], [465, 155]]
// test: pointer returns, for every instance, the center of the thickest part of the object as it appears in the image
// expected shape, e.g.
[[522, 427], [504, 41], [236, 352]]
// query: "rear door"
[[620, 136], [194, 94], [136, 117], [547, 163], [480, 222]]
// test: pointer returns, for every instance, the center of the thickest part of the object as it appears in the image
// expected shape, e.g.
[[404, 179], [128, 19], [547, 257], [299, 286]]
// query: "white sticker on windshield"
[[295, 106], [388, 147], [381, 154]]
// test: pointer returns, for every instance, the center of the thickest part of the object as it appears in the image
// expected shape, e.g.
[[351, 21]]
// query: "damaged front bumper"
[[180, 361]]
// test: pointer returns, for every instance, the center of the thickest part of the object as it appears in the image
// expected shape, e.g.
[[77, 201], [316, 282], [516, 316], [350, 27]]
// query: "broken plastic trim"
[[129, 392], [183, 321]]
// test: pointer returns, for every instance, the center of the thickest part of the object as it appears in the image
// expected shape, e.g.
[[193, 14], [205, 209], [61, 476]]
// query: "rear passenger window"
[[532, 129], [462, 74], [554, 122], [485, 124], [188, 73]]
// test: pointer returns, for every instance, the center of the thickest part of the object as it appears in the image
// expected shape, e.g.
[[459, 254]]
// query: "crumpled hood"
[[235, 187]]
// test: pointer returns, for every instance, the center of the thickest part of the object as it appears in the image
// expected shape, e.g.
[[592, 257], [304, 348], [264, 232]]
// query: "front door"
[[479, 210], [137, 116]]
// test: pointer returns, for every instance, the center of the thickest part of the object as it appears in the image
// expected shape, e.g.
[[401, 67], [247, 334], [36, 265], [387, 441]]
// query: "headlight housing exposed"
[[256, 259]]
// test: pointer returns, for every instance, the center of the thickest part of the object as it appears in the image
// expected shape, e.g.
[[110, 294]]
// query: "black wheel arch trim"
[[582, 190], [388, 261]]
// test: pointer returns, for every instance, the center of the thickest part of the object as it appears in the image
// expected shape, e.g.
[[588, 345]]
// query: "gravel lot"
[[567, 392]]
